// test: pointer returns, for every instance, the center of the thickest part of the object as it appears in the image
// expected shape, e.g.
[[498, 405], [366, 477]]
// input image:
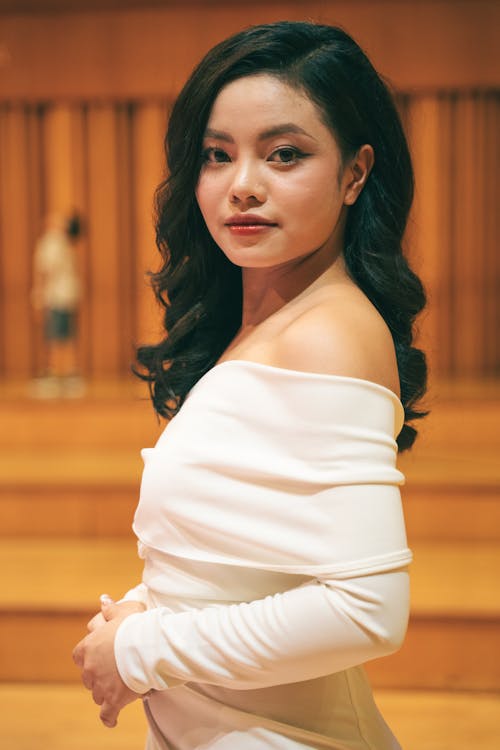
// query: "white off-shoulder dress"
[[275, 564]]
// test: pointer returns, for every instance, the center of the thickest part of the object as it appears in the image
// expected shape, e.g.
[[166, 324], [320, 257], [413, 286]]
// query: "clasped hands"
[[95, 656]]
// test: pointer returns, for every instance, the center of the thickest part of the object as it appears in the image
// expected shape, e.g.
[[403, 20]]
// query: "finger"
[[108, 607], [97, 696], [78, 653], [95, 622], [87, 679], [109, 715]]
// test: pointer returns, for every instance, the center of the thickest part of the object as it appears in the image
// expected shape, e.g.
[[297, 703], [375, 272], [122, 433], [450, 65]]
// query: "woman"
[[270, 519]]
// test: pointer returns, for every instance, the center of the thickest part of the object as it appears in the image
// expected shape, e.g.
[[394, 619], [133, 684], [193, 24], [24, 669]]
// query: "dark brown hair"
[[198, 286]]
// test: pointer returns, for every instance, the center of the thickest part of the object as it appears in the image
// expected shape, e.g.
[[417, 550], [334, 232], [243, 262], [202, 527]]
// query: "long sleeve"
[[297, 479], [137, 594], [319, 628]]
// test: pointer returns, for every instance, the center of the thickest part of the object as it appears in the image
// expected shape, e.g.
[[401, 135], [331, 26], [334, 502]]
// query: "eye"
[[286, 155], [214, 155]]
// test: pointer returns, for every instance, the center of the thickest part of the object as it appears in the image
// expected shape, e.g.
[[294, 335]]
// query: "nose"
[[247, 186]]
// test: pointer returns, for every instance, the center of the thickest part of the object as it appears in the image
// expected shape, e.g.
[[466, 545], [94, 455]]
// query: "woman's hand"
[[95, 656], [110, 610]]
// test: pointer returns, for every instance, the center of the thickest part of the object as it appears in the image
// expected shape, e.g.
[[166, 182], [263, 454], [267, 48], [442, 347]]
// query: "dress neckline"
[[312, 375]]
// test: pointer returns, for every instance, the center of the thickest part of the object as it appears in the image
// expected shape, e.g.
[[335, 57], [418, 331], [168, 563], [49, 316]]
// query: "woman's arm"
[[319, 628]]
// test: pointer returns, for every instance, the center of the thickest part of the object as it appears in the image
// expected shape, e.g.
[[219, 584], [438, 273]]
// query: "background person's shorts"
[[60, 325]]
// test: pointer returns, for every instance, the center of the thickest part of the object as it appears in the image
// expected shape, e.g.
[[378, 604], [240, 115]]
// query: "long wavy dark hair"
[[200, 289]]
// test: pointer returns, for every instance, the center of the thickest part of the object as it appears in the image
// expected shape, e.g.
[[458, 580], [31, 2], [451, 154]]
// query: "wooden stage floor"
[[69, 479], [63, 717]]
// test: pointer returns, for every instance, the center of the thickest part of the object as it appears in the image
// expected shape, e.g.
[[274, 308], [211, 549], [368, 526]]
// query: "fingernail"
[[105, 599]]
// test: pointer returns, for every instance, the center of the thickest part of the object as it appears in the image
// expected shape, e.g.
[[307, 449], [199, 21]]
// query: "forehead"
[[262, 101]]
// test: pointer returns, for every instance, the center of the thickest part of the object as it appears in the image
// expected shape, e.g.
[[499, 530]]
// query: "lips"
[[249, 220]]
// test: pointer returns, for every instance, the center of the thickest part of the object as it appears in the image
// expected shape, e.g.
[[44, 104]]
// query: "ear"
[[357, 172]]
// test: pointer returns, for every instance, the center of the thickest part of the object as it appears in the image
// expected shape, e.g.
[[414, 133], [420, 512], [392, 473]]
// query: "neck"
[[267, 290]]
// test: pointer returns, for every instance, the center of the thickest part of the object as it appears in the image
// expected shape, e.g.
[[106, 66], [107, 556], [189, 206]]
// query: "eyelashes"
[[285, 155], [215, 155]]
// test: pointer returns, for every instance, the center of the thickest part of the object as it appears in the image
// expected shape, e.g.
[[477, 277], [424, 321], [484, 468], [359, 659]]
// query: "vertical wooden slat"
[[491, 219], [79, 192], [429, 118], [149, 130], [59, 155], [124, 115], [467, 240], [104, 282], [482, 206], [3, 278], [36, 203], [16, 240]]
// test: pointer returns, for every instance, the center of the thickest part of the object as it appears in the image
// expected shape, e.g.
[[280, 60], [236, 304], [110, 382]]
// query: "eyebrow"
[[283, 129]]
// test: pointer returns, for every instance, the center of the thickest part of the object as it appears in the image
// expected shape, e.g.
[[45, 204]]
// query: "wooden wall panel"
[[473, 262], [148, 159], [454, 229], [126, 235], [491, 222], [58, 159], [429, 121], [33, 215], [103, 290], [63, 188], [105, 159], [79, 193], [18, 199], [149, 52], [468, 250]]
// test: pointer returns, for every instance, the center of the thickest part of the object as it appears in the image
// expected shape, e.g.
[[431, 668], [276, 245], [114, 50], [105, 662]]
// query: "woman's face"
[[271, 188]]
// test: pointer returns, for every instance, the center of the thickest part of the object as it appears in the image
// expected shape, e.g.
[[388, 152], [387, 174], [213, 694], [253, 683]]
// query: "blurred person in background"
[[56, 295]]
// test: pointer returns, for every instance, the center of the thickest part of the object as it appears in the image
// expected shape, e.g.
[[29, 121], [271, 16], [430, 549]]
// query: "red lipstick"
[[248, 224]]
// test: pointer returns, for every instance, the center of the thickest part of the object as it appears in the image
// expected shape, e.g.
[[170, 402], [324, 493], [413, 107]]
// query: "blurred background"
[[85, 90]]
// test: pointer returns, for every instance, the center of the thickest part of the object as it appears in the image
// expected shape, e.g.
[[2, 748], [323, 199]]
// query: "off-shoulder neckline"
[[312, 375]]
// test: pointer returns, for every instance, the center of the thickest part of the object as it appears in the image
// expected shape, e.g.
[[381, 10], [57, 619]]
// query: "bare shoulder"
[[343, 334]]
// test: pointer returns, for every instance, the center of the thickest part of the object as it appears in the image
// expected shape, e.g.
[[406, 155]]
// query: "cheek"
[[317, 198], [203, 198], [208, 195]]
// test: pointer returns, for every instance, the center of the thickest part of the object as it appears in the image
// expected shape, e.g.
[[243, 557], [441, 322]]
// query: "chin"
[[255, 260]]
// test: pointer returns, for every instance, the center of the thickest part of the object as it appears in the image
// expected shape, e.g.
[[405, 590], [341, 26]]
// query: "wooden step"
[[69, 510], [97, 496], [461, 413], [440, 720], [453, 513], [455, 622], [73, 468], [112, 413], [52, 588], [63, 717], [90, 485]]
